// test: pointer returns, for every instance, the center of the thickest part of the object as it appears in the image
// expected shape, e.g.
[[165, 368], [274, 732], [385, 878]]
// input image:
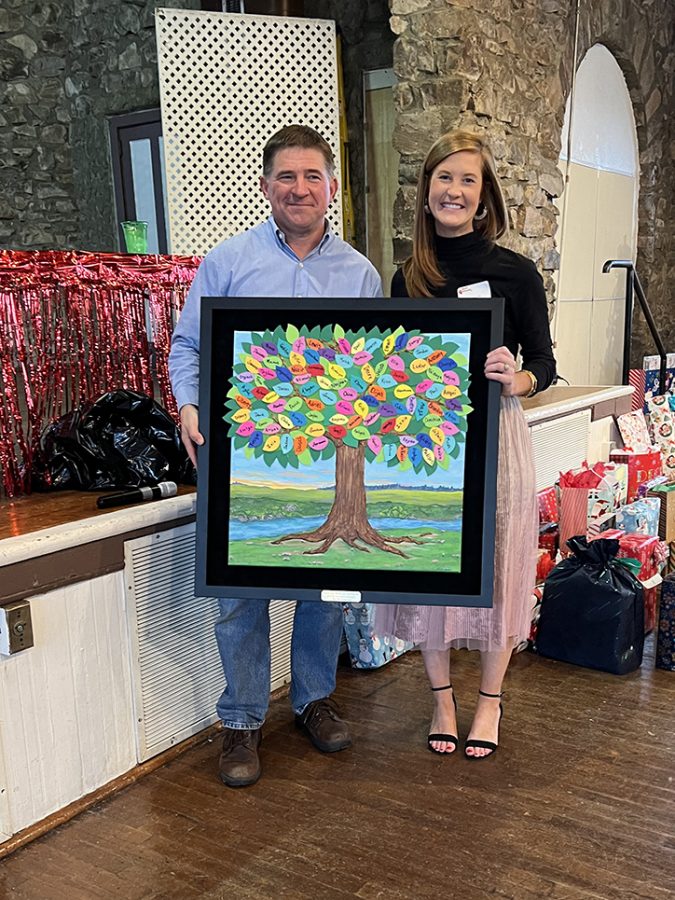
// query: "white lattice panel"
[[228, 82]]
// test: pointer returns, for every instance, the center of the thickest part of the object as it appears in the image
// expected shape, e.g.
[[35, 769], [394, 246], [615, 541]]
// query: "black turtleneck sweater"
[[471, 258]]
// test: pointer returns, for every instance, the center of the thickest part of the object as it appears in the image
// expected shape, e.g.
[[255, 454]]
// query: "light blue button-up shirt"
[[259, 263]]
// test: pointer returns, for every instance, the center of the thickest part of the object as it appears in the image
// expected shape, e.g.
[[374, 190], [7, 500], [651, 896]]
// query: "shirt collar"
[[281, 237]]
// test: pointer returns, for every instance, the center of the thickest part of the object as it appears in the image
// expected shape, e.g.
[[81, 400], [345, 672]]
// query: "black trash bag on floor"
[[592, 611], [121, 440]]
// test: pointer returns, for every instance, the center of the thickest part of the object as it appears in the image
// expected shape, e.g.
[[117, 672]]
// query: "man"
[[292, 254]]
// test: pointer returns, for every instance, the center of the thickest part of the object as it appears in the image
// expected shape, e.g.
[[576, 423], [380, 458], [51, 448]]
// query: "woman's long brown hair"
[[421, 270]]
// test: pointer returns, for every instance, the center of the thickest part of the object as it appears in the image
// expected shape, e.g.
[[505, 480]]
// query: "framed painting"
[[350, 450]]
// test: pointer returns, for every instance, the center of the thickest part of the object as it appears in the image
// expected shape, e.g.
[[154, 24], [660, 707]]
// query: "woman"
[[460, 212]]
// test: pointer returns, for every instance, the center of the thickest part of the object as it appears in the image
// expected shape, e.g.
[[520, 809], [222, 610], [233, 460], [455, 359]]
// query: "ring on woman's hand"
[[506, 368]]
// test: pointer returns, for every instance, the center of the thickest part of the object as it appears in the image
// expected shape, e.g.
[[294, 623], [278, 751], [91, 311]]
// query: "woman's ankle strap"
[[446, 687], [496, 696]]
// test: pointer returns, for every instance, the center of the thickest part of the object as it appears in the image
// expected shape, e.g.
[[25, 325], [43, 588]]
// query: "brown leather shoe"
[[325, 728], [239, 763]]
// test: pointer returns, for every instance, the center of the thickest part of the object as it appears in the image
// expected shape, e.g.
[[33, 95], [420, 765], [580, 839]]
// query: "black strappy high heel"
[[487, 745], [448, 738]]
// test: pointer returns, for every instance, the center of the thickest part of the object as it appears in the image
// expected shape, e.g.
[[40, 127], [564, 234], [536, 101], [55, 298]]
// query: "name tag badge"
[[479, 289]]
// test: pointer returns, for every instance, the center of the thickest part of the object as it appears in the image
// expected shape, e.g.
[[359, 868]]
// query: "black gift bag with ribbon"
[[592, 611]]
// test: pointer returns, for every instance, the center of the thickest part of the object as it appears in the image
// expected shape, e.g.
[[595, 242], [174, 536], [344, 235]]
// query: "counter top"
[[562, 399], [47, 523]]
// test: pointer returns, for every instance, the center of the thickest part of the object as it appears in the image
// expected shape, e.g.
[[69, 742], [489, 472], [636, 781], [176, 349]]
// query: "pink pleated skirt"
[[507, 622]]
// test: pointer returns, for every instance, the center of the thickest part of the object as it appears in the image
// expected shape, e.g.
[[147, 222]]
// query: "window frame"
[[144, 124]]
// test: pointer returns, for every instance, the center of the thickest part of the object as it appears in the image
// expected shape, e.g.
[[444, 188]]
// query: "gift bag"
[[367, 649], [641, 467], [592, 610], [665, 640]]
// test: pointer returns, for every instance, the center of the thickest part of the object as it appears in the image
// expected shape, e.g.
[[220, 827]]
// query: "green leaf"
[[454, 453], [405, 465], [444, 463], [305, 458], [292, 333], [338, 332]]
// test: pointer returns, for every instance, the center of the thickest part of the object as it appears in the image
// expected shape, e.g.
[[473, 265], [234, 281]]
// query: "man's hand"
[[189, 430]]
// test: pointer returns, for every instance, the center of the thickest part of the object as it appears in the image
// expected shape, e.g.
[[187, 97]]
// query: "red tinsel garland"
[[73, 326]]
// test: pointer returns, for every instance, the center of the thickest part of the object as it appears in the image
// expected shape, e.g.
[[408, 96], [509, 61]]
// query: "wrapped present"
[[653, 387], [666, 493], [665, 640], [545, 562], [549, 538], [368, 650], [670, 562], [640, 517], [662, 424], [636, 379], [548, 505], [651, 554], [641, 467], [634, 431], [648, 486]]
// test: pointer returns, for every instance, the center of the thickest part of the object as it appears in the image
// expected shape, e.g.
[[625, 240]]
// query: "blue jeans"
[[243, 636]]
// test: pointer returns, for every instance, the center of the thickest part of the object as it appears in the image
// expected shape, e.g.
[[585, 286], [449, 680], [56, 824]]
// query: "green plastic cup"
[[136, 236]]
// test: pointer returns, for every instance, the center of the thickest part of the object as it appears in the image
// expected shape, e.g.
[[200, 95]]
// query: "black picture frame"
[[472, 585]]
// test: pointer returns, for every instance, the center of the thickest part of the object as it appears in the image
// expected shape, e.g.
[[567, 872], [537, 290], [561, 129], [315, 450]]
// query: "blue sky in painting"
[[322, 472]]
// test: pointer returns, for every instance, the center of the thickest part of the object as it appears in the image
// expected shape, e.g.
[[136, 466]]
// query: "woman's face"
[[455, 188]]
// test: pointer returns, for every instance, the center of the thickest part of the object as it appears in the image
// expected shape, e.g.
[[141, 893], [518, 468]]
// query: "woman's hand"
[[501, 366]]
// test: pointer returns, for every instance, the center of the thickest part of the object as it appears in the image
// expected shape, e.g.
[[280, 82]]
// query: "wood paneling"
[[65, 704], [577, 803]]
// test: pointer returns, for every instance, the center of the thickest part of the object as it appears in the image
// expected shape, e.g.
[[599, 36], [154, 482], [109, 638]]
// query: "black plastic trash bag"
[[592, 611], [122, 440]]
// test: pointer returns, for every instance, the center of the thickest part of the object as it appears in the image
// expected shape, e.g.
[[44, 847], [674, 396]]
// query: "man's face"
[[299, 190]]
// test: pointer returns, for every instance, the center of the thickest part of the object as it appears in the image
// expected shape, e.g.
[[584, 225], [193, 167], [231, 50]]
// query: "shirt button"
[[300, 266]]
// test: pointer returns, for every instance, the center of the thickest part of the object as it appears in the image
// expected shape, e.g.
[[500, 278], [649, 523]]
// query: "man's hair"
[[297, 136]]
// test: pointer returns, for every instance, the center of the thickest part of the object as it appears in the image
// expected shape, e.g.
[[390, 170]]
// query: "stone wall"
[[37, 202], [67, 66], [505, 67]]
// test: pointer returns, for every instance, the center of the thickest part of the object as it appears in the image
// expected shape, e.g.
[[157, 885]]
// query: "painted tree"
[[298, 395]]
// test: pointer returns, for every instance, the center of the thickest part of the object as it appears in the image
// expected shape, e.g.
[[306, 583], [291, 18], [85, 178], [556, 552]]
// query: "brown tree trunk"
[[348, 518]]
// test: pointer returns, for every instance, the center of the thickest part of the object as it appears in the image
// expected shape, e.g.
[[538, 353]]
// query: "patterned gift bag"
[[665, 641], [367, 649]]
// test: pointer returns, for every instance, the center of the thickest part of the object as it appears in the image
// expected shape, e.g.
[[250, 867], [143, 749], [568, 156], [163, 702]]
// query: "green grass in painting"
[[250, 502], [439, 552]]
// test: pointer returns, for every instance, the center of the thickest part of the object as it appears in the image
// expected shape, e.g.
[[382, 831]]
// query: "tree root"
[[327, 535]]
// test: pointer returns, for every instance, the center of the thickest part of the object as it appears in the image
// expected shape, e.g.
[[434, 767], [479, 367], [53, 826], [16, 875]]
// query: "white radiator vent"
[[228, 82], [559, 445], [176, 672]]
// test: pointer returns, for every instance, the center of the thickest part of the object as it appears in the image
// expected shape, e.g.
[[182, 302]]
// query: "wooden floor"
[[578, 802]]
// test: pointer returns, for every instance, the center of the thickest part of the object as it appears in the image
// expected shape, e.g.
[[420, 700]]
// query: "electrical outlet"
[[16, 627]]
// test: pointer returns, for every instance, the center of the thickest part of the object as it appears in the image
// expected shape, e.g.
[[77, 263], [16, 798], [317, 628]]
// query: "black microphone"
[[137, 495]]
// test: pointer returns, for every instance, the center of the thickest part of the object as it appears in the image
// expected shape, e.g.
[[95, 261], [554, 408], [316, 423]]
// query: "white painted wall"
[[598, 221], [66, 718]]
